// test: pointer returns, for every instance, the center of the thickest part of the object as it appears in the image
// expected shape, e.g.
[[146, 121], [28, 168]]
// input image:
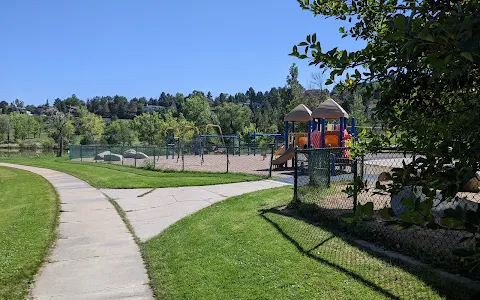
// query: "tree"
[[358, 110], [425, 58], [233, 117], [295, 89], [19, 103], [120, 132], [60, 128], [91, 127], [5, 127], [4, 107], [37, 126], [198, 111], [148, 127], [21, 125], [209, 96]]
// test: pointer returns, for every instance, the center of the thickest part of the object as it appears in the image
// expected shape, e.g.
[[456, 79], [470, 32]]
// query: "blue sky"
[[54, 48]]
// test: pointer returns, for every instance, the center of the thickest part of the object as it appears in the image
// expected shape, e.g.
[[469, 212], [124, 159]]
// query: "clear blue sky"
[[54, 48]]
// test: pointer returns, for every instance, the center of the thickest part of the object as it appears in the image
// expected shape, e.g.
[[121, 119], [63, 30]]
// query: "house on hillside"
[[22, 110], [150, 108]]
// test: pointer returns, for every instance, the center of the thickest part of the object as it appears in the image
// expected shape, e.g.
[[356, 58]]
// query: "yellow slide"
[[280, 151], [289, 154]]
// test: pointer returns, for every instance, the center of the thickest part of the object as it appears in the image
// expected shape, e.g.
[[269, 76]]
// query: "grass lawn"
[[101, 175], [28, 217], [242, 248]]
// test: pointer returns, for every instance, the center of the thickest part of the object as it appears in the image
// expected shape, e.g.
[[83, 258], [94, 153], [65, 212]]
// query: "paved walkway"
[[150, 211], [95, 256]]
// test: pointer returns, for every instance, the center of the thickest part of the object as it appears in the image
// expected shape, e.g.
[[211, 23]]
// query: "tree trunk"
[[60, 152]]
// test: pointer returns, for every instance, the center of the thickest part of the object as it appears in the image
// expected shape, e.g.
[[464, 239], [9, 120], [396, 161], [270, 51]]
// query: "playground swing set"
[[200, 141]]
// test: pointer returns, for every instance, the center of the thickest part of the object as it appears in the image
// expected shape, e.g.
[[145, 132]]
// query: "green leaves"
[[425, 35], [467, 55], [386, 213], [365, 210]]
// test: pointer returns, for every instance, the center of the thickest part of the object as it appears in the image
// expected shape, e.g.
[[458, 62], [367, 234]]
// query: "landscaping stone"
[[141, 155], [131, 153], [438, 207], [101, 155], [113, 157]]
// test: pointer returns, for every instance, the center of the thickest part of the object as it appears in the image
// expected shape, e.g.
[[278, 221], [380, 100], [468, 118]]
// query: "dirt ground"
[[248, 164]]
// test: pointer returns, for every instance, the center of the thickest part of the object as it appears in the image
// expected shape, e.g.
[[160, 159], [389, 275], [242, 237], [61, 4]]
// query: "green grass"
[[242, 249], [28, 217], [101, 175]]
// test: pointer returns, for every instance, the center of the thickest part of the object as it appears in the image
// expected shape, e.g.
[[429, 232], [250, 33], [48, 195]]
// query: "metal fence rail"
[[320, 193]]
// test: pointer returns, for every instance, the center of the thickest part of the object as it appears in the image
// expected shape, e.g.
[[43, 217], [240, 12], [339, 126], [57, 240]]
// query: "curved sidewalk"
[[95, 256], [150, 211]]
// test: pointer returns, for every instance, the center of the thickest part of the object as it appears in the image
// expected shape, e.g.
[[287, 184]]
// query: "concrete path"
[[150, 211], [95, 256]]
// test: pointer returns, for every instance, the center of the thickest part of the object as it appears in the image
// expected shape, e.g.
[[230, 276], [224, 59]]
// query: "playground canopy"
[[329, 109], [301, 113]]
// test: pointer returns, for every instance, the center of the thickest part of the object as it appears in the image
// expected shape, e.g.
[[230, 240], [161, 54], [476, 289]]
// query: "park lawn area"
[[101, 175], [28, 218], [243, 248]]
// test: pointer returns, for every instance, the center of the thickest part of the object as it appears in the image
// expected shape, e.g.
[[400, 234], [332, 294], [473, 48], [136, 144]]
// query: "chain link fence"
[[322, 178], [184, 157]]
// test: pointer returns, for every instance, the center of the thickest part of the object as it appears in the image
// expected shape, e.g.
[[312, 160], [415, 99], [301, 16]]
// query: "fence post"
[[355, 187], [362, 175], [271, 160], [154, 147], [123, 152], [183, 158], [228, 162], [81, 153], [135, 157], [295, 176], [96, 151], [331, 168]]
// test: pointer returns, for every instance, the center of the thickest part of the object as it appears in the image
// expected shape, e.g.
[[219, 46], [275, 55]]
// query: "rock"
[[112, 157], [438, 207], [472, 186], [141, 155], [101, 155], [130, 153]]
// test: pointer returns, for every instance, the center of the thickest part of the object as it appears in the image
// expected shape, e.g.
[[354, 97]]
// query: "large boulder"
[[112, 157], [141, 155], [438, 207], [101, 155], [473, 185], [131, 153]]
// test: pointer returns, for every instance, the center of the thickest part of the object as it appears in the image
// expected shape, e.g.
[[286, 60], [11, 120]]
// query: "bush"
[[148, 165], [48, 144]]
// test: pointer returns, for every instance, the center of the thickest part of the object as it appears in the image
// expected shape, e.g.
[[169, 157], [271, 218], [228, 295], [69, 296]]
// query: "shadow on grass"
[[387, 277]]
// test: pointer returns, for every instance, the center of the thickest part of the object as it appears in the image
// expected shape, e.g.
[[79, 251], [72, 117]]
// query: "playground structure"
[[326, 127], [320, 134]]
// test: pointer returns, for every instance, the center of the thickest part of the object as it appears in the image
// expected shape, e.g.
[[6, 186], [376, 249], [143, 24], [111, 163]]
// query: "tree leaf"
[[467, 55]]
